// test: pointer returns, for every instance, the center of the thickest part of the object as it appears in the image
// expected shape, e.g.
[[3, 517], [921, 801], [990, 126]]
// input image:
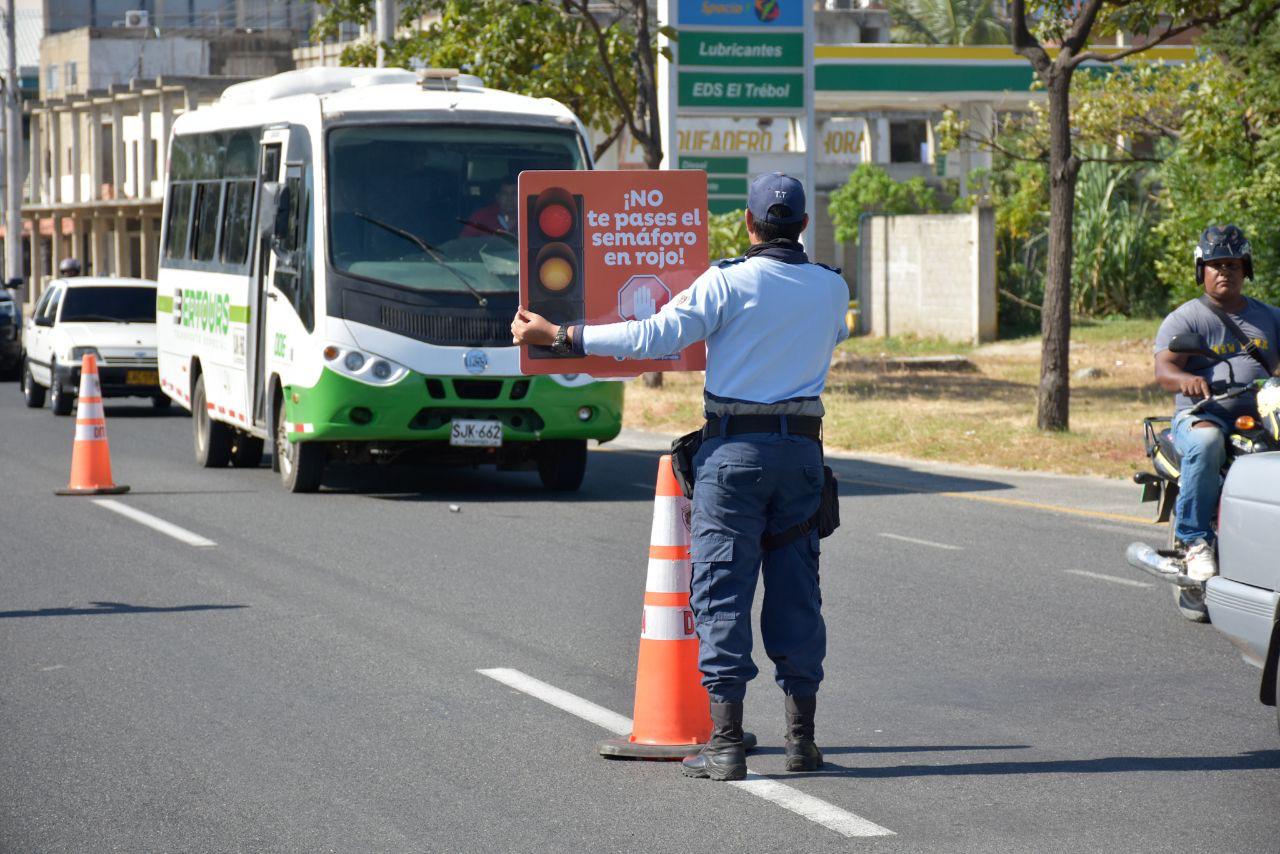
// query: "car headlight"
[[373, 370], [78, 353]]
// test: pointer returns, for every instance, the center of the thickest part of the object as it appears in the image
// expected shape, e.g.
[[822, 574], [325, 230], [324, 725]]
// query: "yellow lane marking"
[[1012, 502], [1052, 508]]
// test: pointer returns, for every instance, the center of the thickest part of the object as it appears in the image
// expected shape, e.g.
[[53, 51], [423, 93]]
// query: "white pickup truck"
[[1244, 598]]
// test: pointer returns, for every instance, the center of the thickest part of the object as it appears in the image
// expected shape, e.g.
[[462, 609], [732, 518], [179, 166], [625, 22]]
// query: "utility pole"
[[12, 154], [384, 26]]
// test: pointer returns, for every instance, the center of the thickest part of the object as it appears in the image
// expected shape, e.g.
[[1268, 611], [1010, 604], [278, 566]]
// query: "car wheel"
[[246, 451], [59, 401], [301, 464], [32, 392], [212, 438], [562, 463]]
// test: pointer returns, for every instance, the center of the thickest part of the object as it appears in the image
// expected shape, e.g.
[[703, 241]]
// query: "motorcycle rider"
[[1223, 260]]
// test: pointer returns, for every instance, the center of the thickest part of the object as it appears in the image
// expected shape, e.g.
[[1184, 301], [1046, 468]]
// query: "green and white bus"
[[337, 275]]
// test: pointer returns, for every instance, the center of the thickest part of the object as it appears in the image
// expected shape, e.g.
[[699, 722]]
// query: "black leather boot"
[[724, 757], [801, 753]]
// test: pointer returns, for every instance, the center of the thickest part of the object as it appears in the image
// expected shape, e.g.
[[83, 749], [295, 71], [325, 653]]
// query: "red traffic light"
[[555, 220]]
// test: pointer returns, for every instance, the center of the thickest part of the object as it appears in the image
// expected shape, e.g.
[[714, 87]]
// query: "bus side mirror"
[[280, 228], [268, 203]]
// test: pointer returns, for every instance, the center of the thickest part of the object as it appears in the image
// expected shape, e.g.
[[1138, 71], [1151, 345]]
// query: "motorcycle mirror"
[[1192, 344]]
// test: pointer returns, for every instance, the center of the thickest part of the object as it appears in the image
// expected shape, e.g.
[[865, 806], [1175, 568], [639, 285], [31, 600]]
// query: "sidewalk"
[[1105, 498]]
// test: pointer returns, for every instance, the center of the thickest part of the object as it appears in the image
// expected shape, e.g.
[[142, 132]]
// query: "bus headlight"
[[367, 368], [573, 380]]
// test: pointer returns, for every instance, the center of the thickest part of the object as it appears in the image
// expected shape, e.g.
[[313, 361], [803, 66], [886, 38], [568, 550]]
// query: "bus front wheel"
[[301, 464], [212, 438], [562, 463]]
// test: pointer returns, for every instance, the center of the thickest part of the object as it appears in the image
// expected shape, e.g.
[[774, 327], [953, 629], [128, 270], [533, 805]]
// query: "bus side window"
[[179, 219], [205, 226], [237, 216]]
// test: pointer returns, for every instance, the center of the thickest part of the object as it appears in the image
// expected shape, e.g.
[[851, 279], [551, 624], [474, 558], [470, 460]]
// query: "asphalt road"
[[997, 680]]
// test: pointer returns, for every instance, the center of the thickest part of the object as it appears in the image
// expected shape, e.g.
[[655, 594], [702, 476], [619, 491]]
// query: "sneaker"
[[1201, 562]]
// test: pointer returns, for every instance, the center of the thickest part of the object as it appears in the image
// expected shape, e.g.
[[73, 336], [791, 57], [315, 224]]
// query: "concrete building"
[[89, 59], [295, 16], [97, 175], [97, 137]]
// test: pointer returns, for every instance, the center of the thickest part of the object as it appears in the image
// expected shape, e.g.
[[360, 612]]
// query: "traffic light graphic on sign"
[[555, 259]]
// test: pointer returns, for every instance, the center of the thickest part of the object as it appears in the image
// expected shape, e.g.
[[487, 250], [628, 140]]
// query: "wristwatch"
[[560, 346]]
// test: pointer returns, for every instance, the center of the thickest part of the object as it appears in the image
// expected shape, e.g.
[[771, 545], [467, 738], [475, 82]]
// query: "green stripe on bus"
[[239, 314], [164, 304]]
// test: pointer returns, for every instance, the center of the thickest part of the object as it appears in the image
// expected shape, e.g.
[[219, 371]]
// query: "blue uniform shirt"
[[770, 328]]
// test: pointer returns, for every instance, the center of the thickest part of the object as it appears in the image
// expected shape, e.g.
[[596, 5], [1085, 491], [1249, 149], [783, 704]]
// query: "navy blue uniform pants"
[[748, 485]]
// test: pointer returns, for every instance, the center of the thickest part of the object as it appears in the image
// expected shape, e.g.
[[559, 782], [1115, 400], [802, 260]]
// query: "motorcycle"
[[1248, 436]]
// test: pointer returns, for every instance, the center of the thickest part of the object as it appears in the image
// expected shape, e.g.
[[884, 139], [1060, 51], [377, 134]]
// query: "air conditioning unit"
[[137, 18]]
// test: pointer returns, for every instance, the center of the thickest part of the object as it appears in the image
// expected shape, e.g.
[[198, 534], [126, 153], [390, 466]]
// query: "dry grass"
[[985, 417]]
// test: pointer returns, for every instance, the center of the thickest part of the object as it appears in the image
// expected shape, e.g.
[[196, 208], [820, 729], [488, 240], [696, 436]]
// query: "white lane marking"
[[571, 703], [54, 667], [1128, 582], [154, 523], [921, 542], [816, 810]]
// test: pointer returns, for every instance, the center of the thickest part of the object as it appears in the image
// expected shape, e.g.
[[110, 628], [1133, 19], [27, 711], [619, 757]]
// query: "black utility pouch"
[[829, 505], [826, 520], [683, 450]]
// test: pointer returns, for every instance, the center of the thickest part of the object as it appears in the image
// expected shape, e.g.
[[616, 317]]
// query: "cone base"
[[92, 490], [625, 748]]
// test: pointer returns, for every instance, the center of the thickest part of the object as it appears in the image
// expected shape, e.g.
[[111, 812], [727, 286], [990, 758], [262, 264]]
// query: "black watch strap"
[[560, 346]]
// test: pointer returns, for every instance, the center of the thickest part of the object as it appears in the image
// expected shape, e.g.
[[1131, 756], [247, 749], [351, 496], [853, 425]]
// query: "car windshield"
[[109, 304], [434, 208]]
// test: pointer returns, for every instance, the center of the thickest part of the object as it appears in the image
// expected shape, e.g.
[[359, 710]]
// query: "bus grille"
[[449, 329]]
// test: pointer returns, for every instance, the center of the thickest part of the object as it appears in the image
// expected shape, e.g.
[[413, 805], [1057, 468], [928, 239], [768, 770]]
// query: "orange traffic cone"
[[90, 456], [672, 716]]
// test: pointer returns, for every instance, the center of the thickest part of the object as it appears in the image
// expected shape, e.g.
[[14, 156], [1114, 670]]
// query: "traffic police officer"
[[771, 320]]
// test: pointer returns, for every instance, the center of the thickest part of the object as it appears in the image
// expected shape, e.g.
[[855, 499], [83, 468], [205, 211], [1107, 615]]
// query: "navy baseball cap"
[[774, 188]]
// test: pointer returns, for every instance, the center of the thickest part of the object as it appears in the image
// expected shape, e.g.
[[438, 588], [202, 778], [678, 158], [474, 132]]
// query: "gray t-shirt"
[[1259, 321]]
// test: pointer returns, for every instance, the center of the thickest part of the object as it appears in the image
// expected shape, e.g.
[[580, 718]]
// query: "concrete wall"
[[930, 275], [116, 61]]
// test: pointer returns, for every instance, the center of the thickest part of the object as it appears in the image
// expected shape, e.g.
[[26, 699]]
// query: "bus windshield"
[[434, 208]]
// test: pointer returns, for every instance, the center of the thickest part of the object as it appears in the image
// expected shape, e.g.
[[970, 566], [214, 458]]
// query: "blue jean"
[[1203, 451], [748, 485]]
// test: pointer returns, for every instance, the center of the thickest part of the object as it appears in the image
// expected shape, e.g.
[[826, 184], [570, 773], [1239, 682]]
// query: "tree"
[[871, 190], [955, 22], [1069, 24], [568, 50], [1224, 159]]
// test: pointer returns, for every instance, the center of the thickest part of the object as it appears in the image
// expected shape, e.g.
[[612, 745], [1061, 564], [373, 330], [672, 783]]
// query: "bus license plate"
[[475, 434], [142, 378]]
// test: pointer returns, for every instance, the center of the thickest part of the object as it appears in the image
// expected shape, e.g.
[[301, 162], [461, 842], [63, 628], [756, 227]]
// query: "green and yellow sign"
[[697, 47], [754, 90]]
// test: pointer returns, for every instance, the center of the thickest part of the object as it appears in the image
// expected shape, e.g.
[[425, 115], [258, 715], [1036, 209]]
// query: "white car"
[[115, 319]]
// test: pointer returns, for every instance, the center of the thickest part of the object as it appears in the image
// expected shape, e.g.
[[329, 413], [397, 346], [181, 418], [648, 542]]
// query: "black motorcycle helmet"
[[69, 267], [1223, 241]]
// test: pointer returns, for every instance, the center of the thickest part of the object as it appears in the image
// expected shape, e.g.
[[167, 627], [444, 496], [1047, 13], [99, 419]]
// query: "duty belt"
[[794, 425]]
